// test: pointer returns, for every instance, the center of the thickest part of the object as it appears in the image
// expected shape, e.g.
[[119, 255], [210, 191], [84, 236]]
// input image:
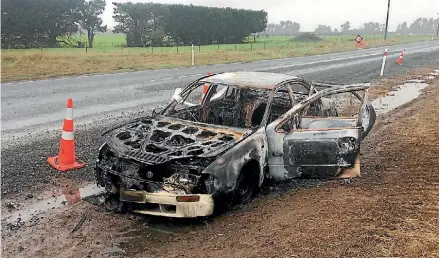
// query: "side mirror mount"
[[176, 96]]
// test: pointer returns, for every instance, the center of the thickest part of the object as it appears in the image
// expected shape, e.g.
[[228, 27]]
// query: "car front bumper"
[[165, 204]]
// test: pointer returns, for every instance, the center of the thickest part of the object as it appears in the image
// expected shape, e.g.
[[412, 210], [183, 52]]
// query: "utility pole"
[[387, 20], [437, 31]]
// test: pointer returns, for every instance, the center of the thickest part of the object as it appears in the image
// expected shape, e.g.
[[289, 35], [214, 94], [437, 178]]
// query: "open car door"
[[326, 146]]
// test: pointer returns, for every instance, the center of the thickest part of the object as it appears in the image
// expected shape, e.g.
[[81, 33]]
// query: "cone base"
[[53, 161]]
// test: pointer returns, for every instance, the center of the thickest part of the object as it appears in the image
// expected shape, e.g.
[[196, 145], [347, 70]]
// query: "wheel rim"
[[244, 190]]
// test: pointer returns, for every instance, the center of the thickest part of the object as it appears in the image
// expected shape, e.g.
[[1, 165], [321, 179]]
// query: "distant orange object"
[[362, 45], [358, 38], [205, 90], [66, 159], [399, 60]]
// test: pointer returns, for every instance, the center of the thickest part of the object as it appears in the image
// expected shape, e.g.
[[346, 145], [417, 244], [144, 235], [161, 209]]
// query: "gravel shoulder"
[[392, 210]]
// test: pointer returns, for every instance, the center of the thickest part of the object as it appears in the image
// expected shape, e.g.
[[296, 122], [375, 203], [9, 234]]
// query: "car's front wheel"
[[243, 190], [246, 184]]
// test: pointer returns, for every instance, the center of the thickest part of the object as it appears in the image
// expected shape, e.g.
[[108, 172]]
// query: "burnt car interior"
[[240, 107], [311, 117], [230, 106]]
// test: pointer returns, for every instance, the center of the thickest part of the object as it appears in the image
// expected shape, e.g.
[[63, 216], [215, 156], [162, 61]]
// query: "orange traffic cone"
[[361, 44], [66, 159], [205, 89], [399, 60], [203, 93]]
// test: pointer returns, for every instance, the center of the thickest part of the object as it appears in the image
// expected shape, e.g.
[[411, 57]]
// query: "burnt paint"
[[321, 153], [226, 168]]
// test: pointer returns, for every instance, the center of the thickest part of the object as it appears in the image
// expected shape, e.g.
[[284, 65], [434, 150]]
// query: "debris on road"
[[80, 223], [12, 205]]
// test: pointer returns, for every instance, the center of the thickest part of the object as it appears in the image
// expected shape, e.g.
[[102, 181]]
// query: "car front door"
[[320, 146]]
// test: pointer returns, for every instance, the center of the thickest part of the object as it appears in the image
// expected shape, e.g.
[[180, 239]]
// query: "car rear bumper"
[[166, 204]]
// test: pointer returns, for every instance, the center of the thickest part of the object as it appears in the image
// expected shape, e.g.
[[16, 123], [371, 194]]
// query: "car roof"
[[259, 80]]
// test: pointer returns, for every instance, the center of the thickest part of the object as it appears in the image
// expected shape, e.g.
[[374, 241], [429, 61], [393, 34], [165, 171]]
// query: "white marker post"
[[384, 62], [193, 55]]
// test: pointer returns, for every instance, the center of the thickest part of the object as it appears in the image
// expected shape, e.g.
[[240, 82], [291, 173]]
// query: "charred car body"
[[225, 134]]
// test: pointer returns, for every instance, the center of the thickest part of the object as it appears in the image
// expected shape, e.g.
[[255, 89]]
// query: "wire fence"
[[244, 47], [270, 44]]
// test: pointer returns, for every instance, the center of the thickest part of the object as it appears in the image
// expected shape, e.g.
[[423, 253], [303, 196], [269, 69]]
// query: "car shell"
[[277, 150]]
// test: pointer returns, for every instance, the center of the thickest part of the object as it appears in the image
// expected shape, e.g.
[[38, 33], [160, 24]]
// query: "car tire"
[[244, 188]]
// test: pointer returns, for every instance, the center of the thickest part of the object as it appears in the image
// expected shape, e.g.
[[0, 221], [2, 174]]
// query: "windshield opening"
[[220, 104]]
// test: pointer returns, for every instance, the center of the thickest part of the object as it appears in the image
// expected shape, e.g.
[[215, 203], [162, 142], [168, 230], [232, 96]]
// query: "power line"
[[437, 31]]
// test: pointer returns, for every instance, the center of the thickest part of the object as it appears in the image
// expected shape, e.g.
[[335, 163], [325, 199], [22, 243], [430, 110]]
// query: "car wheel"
[[244, 188]]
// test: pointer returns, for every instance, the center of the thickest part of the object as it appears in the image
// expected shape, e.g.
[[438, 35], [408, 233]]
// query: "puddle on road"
[[398, 97], [15, 218], [434, 73]]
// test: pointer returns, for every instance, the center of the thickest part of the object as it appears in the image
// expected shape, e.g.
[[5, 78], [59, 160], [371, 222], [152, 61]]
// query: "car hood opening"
[[160, 139]]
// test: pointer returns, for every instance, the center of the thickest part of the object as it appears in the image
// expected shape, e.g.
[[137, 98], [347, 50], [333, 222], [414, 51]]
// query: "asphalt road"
[[32, 112]]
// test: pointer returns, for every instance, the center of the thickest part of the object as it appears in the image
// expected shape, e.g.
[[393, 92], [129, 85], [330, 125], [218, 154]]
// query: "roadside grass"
[[32, 64]]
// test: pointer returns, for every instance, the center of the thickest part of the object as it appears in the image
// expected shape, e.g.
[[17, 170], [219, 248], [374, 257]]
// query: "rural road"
[[32, 112]]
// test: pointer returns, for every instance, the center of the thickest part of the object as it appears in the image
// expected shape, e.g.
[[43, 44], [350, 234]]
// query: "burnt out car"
[[225, 134]]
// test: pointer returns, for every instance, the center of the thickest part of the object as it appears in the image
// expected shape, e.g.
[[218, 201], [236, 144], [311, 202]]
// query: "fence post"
[[177, 49], [235, 47], [218, 46], [199, 48], [384, 62], [193, 55]]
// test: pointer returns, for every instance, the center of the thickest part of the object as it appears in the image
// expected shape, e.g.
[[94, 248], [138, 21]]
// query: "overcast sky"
[[311, 13]]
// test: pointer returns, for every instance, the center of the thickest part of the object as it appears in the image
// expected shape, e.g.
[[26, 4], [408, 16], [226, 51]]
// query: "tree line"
[[52, 23], [49, 23], [157, 24], [419, 26]]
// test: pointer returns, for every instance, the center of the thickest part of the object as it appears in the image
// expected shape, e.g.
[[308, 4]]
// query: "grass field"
[[108, 55]]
